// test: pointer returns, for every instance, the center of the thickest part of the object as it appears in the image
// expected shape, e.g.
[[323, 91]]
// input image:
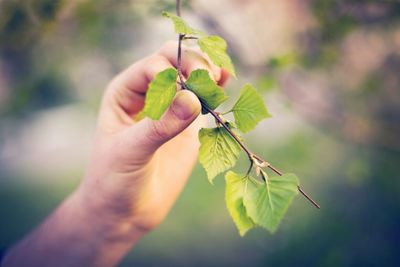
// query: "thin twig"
[[179, 58], [222, 121], [308, 197], [178, 8]]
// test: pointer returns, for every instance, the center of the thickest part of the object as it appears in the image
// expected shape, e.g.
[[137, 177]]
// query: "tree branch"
[[221, 120]]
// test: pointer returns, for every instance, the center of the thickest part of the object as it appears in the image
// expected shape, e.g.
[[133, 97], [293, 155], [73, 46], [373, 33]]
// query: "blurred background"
[[330, 74]]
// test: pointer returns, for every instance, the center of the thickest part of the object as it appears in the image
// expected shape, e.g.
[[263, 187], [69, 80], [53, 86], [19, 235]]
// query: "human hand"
[[138, 169], [135, 174]]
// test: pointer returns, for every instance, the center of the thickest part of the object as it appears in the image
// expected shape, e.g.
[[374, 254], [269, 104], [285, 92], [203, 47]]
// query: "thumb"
[[149, 135]]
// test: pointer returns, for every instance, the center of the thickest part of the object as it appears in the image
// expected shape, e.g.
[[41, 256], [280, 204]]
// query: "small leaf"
[[201, 84], [234, 191], [249, 109], [266, 203], [218, 151], [215, 47], [160, 94], [283, 61], [181, 26]]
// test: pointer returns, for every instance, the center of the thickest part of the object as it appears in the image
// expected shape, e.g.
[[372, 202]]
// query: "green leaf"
[[215, 47], [201, 84], [218, 151], [266, 203], [249, 109], [283, 61], [235, 189], [181, 26], [160, 94]]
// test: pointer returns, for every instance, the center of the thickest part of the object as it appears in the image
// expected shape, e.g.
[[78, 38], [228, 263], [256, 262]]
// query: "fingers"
[[129, 88], [148, 135], [225, 75], [192, 59]]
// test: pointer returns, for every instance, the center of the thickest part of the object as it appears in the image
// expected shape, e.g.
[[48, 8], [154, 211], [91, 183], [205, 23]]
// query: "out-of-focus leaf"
[[215, 47], [181, 26]]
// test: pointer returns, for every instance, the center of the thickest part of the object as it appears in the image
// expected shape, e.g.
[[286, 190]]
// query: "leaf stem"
[[179, 57], [308, 197], [221, 120], [190, 38]]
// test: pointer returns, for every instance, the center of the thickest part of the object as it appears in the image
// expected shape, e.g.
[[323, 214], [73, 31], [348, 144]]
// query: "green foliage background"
[[347, 156]]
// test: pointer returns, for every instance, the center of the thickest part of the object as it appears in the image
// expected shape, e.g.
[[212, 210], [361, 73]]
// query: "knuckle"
[[169, 45], [155, 58], [155, 64], [114, 82], [148, 223], [198, 60], [158, 132], [111, 92]]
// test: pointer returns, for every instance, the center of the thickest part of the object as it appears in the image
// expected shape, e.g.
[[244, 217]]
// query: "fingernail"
[[185, 105]]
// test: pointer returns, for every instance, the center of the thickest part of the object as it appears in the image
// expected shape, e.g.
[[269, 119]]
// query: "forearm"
[[74, 236]]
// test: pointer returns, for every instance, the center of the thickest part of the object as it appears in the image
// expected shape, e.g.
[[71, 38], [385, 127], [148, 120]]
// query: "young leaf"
[[218, 151], [266, 203], [181, 26], [215, 47], [249, 109], [201, 84], [160, 94], [234, 191]]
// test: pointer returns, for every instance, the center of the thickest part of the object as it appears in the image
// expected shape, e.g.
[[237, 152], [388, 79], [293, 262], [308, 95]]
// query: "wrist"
[[104, 221]]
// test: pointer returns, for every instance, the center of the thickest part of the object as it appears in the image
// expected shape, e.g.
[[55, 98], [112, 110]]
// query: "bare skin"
[[136, 172]]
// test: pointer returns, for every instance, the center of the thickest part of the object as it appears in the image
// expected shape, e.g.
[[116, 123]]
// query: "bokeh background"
[[330, 74]]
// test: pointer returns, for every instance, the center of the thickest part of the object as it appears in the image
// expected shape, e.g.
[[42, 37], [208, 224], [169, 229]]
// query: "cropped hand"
[[138, 169]]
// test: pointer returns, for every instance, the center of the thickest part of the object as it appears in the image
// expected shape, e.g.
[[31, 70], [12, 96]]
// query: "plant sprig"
[[260, 201]]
